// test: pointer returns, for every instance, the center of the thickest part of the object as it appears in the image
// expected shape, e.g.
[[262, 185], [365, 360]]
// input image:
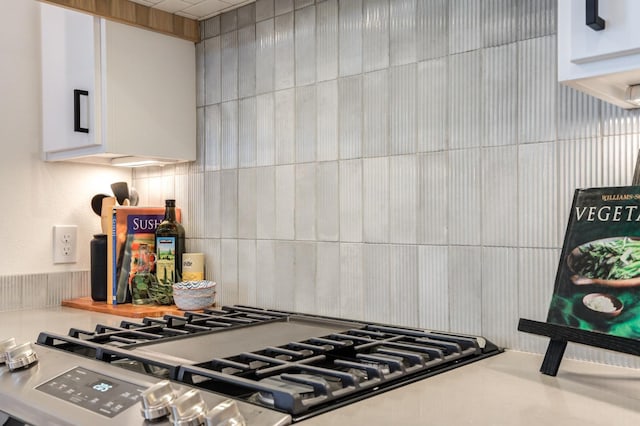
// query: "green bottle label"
[[166, 260]]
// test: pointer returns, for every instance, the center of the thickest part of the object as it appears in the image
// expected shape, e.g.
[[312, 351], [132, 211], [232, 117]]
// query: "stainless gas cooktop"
[[288, 365]]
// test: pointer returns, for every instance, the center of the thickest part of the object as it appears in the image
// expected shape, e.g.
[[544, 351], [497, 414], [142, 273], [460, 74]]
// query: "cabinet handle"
[[593, 21], [77, 110]]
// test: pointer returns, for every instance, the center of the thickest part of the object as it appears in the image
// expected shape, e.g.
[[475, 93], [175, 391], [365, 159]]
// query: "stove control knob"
[[21, 356], [225, 414], [156, 400], [188, 409], [5, 346]]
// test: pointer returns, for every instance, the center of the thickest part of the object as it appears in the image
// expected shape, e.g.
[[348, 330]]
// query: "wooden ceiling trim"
[[131, 13]]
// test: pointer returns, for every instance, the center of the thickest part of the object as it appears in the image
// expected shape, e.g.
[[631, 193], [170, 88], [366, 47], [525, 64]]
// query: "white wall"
[[36, 195]]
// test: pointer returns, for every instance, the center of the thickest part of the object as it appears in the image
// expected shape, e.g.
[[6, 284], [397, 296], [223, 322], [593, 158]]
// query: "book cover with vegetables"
[[597, 285], [132, 227]]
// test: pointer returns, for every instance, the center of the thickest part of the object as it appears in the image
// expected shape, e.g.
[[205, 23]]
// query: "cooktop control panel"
[[94, 391]]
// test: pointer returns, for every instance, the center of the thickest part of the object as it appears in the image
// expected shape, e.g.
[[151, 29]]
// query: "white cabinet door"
[[68, 79], [602, 63]]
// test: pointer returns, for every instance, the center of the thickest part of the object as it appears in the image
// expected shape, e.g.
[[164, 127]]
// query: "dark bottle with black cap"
[[169, 239], [98, 255]]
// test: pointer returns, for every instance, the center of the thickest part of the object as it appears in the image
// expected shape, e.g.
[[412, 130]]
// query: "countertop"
[[506, 389]]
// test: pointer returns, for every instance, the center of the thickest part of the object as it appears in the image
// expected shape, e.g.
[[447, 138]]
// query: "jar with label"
[[143, 281]]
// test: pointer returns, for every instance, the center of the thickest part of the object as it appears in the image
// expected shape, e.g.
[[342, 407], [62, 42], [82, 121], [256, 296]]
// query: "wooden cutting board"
[[125, 310]]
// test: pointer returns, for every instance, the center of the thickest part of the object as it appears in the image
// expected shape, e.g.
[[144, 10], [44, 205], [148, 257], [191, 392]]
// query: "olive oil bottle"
[[169, 239]]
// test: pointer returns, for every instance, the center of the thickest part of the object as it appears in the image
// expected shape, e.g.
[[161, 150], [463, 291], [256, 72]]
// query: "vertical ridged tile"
[[327, 40], [265, 203], [195, 224], [247, 277], [305, 139], [305, 202], [375, 34], [212, 71], [197, 166], [284, 51], [402, 120], [328, 279], [246, 15], [402, 32], [433, 198], [305, 45], [432, 27], [537, 18], [34, 291], [578, 114], [376, 275], [229, 204], [305, 277], [283, 6], [247, 203], [210, 27], [350, 107], [328, 202], [285, 126], [350, 200], [580, 165], [499, 274], [500, 96], [403, 199], [535, 287], [212, 205], [433, 288], [229, 47], [247, 150], [265, 55], [299, 4], [229, 21], [350, 33], [11, 294], [352, 287], [619, 159], [375, 100], [285, 275], [229, 121], [200, 86], [431, 110], [465, 289], [285, 202], [500, 21], [618, 121], [247, 61], [537, 89], [212, 137], [403, 280], [464, 197], [537, 195], [375, 204], [266, 271], [227, 288], [327, 120], [264, 9], [465, 25], [265, 130], [465, 100], [499, 195]]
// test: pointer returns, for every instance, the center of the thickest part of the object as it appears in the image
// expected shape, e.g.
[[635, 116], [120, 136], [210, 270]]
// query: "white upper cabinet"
[[602, 63], [113, 92]]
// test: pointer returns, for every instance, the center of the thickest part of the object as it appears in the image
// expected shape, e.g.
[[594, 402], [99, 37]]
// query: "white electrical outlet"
[[65, 248]]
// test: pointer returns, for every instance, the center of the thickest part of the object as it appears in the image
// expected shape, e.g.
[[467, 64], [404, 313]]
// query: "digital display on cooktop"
[[94, 391]]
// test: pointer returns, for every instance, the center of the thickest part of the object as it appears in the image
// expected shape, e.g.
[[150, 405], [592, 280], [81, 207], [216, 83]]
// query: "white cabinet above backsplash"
[[602, 63], [113, 92]]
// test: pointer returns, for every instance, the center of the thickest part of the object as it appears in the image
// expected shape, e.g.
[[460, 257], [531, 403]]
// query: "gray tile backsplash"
[[404, 161]]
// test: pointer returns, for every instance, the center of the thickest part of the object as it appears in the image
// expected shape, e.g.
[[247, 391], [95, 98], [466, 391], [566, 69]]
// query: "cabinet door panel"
[[68, 66]]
